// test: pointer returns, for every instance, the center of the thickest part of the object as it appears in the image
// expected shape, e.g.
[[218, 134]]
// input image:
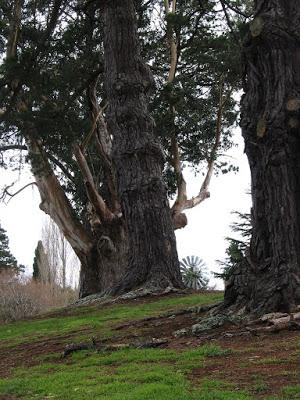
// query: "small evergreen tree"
[[7, 260], [42, 270], [236, 249], [36, 271]]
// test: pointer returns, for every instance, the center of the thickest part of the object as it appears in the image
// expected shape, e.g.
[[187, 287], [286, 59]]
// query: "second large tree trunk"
[[137, 156], [269, 280]]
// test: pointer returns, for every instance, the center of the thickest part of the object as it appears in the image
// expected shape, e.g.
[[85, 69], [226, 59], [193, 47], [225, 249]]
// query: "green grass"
[[288, 393], [127, 374], [131, 374], [100, 319]]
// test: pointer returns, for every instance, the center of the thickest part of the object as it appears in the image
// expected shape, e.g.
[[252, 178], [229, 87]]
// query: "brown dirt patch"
[[262, 365], [28, 354]]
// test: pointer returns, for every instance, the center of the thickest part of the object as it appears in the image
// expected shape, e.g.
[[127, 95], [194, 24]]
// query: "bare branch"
[[172, 43], [89, 136], [95, 198], [212, 158], [178, 219], [13, 147], [103, 143], [204, 193], [11, 195]]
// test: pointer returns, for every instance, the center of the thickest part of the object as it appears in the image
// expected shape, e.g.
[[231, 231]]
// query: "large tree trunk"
[[269, 280], [137, 156]]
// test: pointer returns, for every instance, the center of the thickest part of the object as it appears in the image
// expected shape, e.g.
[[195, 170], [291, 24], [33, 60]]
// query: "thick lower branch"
[[54, 201]]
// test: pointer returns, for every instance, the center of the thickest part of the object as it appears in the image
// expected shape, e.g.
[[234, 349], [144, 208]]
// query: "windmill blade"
[[185, 262]]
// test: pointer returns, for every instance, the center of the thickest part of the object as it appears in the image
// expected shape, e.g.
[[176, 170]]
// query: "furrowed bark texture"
[[104, 265], [137, 156], [270, 278]]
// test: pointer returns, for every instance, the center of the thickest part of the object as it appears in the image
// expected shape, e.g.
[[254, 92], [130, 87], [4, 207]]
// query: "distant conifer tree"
[[7, 260]]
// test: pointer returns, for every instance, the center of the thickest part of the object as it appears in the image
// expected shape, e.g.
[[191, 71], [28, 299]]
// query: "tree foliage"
[[7, 260], [57, 65], [237, 248], [36, 275]]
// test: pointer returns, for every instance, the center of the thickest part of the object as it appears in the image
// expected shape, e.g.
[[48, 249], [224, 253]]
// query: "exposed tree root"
[[144, 291], [189, 310], [267, 323], [74, 347]]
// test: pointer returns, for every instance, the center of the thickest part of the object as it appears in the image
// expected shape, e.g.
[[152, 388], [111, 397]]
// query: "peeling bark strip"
[[137, 155], [270, 278]]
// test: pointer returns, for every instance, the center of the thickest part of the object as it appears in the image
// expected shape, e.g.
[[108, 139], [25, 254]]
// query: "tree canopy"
[[54, 106]]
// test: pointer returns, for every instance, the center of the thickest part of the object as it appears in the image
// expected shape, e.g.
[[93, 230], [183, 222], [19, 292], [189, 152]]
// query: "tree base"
[[257, 290], [158, 283]]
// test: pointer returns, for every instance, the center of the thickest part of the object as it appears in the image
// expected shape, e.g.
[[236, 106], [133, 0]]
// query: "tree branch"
[[179, 219], [14, 27], [236, 10], [50, 156], [11, 195], [96, 200], [182, 204], [103, 144], [204, 193], [13, 147], [54, 201], [236, 38]]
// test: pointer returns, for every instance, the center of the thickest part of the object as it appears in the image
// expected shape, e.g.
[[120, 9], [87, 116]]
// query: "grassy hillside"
[[215, 366]]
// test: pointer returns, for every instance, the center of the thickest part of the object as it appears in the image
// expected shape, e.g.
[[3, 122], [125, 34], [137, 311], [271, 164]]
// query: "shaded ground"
[[261, 365]]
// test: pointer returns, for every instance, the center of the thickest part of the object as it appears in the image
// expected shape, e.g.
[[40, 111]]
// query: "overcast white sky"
[[208, 223]]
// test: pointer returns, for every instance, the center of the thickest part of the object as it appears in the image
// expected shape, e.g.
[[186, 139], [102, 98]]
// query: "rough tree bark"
[[137, 156], [269, 279]]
